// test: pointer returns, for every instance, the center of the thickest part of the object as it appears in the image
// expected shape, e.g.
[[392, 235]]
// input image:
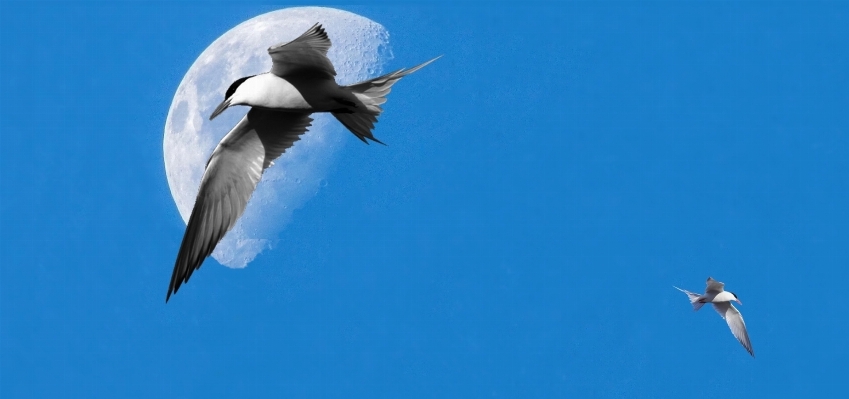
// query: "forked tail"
[[372, 93], [694, 299]]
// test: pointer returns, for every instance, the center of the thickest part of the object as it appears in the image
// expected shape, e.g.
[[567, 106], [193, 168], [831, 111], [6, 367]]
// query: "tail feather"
[[372, 94], [360, 124], [694, 298]]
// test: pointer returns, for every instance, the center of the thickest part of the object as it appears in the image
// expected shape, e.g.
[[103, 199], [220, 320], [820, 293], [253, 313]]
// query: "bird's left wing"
[[305, 55], [734, 319], [231, 175]]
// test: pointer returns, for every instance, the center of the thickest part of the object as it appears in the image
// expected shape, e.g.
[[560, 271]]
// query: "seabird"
[[721, 300], [301, 82]]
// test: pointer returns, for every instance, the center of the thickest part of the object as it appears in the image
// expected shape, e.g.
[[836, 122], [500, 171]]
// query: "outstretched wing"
[[734, 319], [305, 55], [714, 287], [231, 175]]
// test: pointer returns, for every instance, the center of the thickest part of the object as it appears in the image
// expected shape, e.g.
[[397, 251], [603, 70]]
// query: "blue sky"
[[544, 185]]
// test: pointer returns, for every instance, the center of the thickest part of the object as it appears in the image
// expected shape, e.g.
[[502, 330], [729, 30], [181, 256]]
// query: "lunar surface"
[[360, 48]]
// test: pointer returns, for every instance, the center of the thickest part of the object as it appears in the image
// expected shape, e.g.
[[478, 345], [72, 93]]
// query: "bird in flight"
[[301, 82], [716, 295]]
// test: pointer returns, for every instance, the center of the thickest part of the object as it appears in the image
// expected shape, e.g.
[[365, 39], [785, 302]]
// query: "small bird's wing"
[[231, 175], [305, 55], [734, 319], [714, 287]]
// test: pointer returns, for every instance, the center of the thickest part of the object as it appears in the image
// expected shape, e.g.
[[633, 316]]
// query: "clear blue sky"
[[544, 185]]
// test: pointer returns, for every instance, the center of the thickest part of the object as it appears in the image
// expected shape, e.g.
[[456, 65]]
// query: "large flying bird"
[[301, 82]]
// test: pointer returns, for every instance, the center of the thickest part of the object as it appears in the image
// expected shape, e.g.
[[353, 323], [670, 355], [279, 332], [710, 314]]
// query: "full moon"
[[360, 48]]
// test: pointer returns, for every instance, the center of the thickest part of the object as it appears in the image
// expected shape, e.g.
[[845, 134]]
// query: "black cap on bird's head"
[[229, 93], [735, 297]]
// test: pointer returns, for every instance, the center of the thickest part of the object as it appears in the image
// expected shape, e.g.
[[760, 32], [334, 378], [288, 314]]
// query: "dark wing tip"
[[748, 348], [176, 281], [189, 258], [316, 31]]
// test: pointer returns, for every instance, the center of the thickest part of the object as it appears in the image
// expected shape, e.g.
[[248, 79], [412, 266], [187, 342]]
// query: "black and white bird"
[[301, 82], [716, 295]]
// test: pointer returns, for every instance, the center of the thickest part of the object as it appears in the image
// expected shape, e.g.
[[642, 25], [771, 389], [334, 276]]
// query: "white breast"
[[270, 91]]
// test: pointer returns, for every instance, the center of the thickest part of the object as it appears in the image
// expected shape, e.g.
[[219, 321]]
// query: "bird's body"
[[295, 94], [301, 82], [716, 295], [267, 90]]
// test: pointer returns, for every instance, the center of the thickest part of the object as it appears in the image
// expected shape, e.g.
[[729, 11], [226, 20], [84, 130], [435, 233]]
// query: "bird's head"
[[231, 97], [735, 297]]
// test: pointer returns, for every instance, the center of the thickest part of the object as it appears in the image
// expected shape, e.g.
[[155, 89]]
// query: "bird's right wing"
[[306, 54], [231, 175], [714, 286], [734, 319]]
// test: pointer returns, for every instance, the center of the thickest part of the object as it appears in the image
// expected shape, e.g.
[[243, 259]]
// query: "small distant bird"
[[715, 294], [301, 82]]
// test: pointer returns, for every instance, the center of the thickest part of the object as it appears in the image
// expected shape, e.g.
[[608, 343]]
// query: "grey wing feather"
[[231, 175], [734, 319], [714, 286], [305, 55]]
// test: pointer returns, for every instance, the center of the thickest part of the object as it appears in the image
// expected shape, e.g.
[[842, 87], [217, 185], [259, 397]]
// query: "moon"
[[360, 48]]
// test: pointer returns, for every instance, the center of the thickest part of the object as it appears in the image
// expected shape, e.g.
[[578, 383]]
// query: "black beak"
[[220, 108]]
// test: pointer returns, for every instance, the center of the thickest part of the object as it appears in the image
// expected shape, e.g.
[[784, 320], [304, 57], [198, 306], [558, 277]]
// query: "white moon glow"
[[360, 46]]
